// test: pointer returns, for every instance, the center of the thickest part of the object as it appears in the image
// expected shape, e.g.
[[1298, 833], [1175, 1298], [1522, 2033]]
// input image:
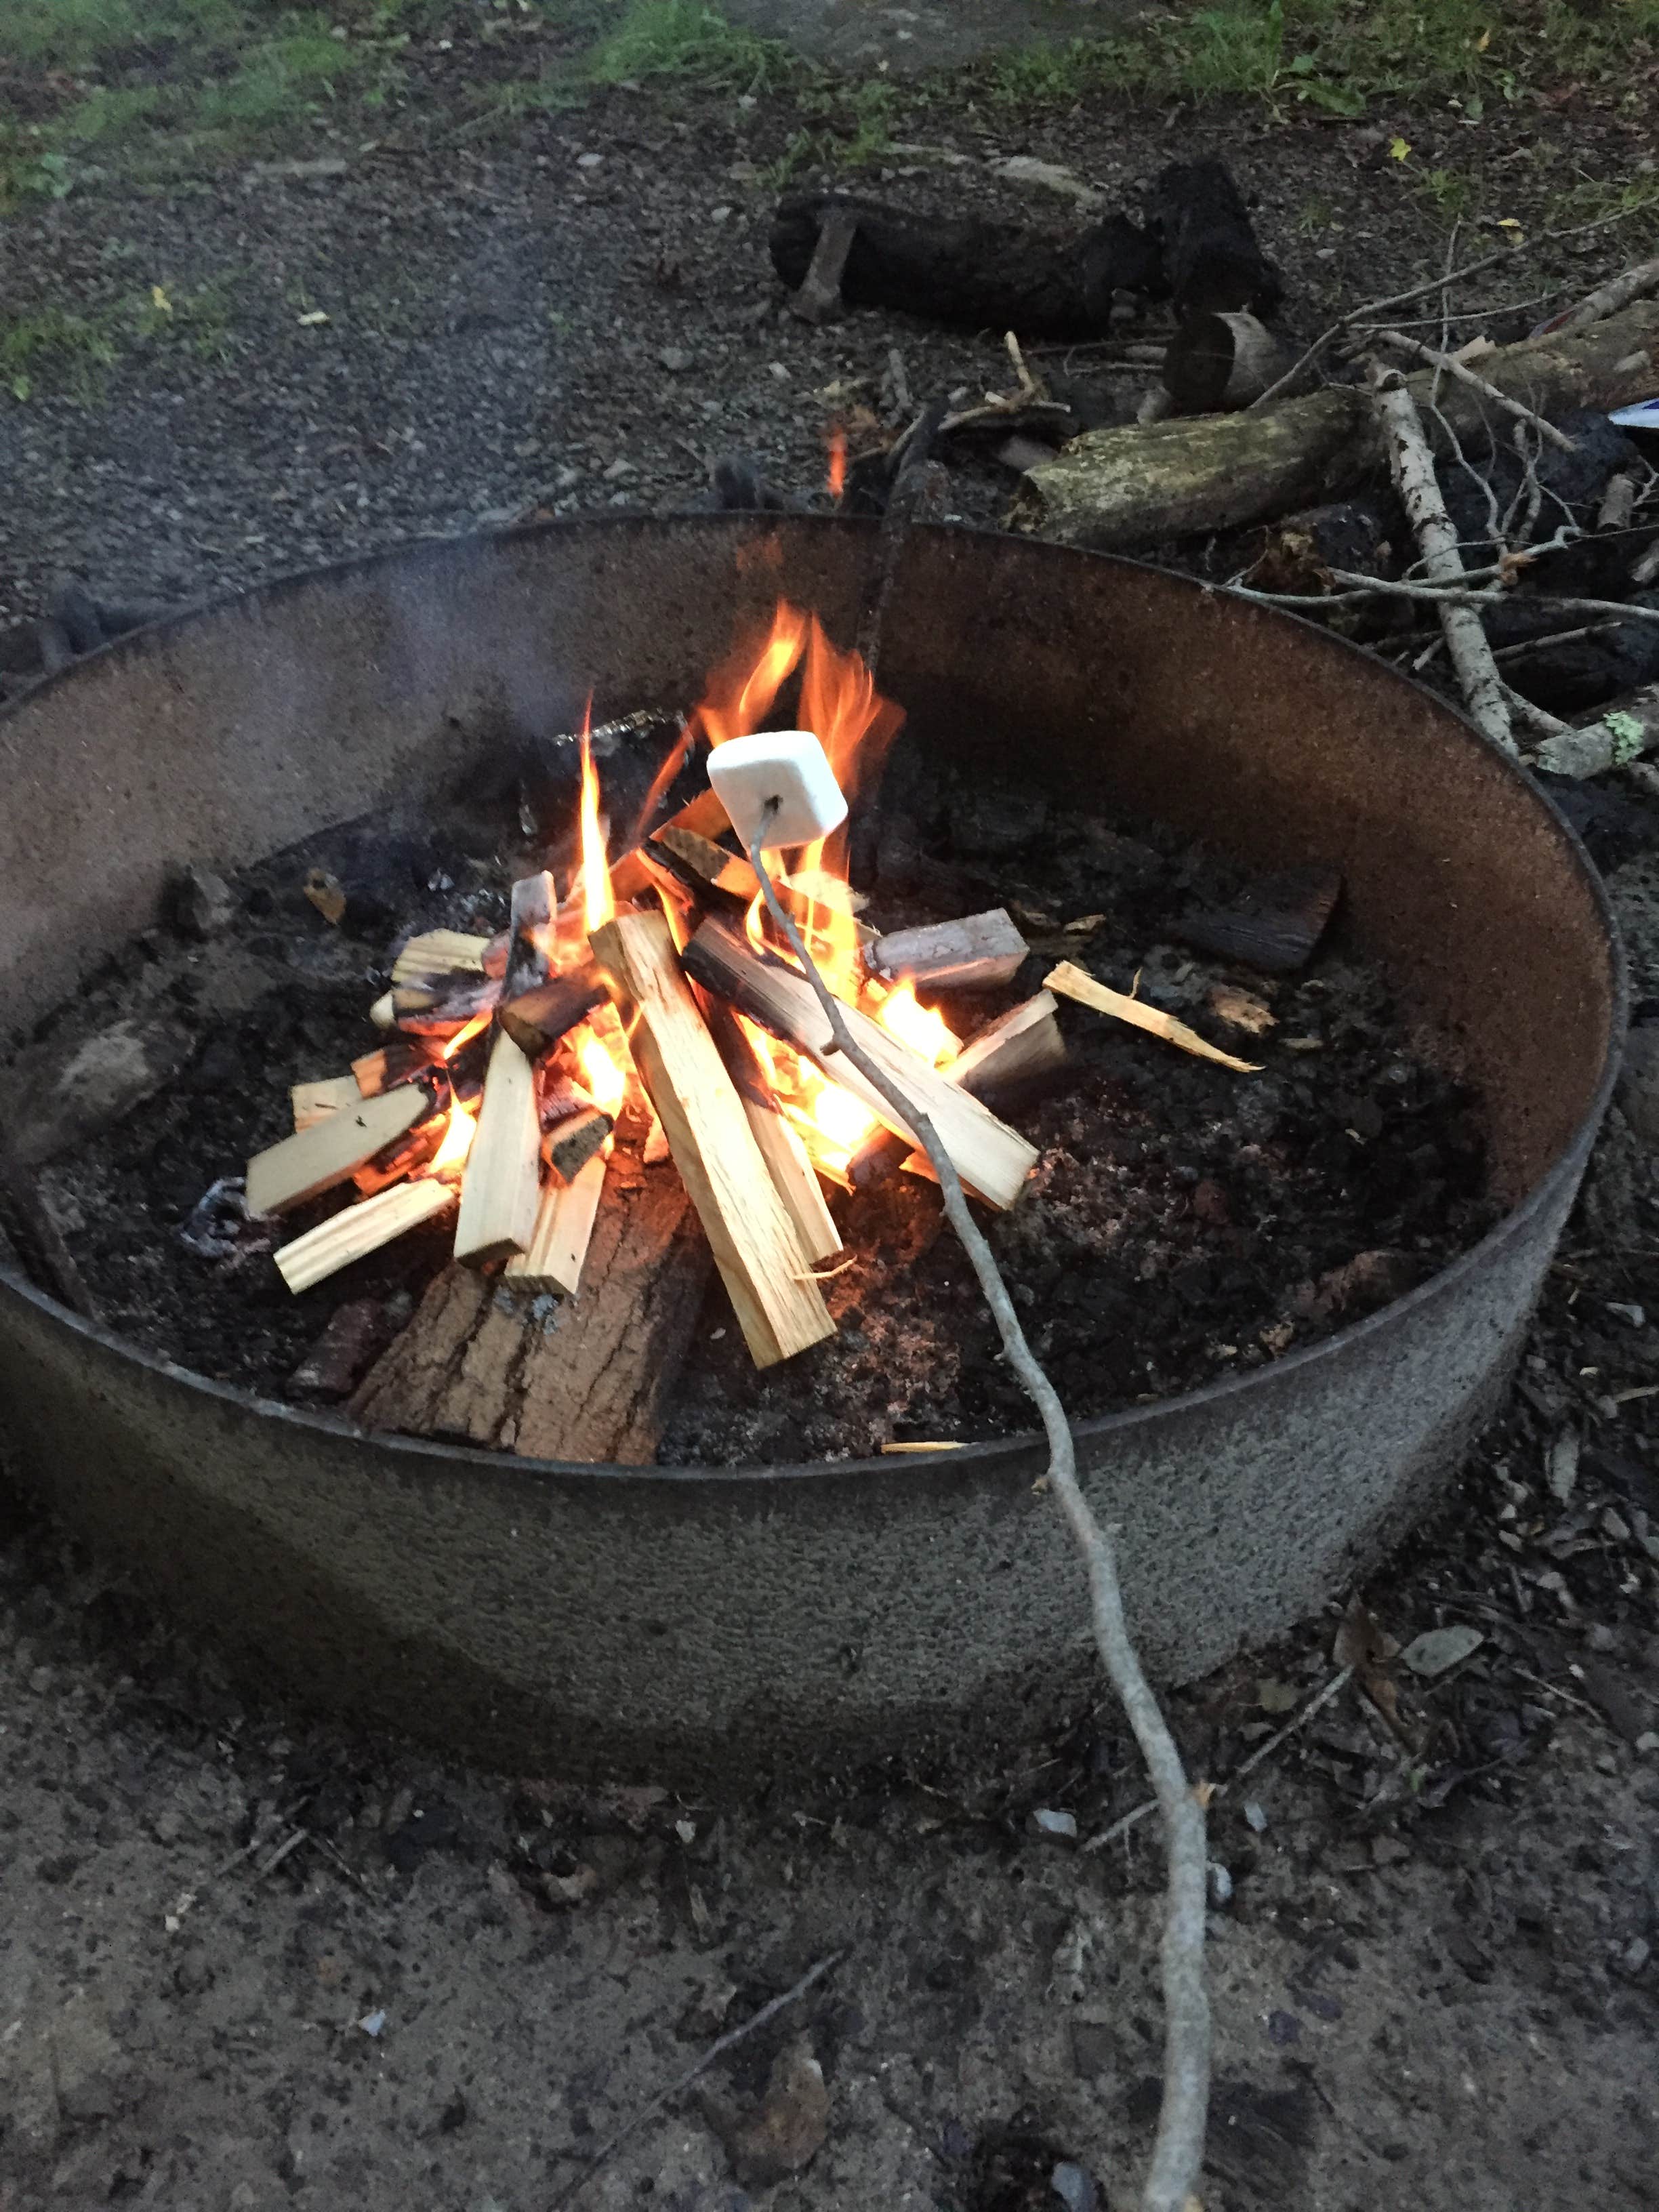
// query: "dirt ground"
[[247, 1959]]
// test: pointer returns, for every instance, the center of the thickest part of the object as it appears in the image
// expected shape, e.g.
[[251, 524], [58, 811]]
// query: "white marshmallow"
[[787, 765]]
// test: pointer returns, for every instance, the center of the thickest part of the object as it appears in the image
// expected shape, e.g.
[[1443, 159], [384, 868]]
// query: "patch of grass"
[[71, 350], [849, 125], [1453, 193], [692, 40], [198, 320], [74, 33]]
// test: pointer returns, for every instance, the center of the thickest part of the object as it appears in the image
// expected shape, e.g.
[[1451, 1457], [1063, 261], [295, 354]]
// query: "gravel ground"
[[1434, 1974]]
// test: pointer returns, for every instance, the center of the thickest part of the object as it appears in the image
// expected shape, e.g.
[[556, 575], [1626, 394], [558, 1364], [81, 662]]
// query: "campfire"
[[645, 1009]]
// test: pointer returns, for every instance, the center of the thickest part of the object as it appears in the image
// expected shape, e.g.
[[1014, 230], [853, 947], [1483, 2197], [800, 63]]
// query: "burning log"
[[793, 1177], [564, 1228], [779, 1310], [588, 1384], [980, 952], [994, 1159], [704, 866], [965, 269], [331, 1151], [533, 937], [357, 1230], [537, 1021], [443, 1004], [573, 1127], [1121, 488], [1075, 983], [400, 1061], [501, 1191], [315, 1102]]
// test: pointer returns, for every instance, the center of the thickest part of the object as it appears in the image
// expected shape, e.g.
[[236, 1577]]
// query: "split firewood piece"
[[331, 1151], [754, 1241], [443, 1003], [537, 1020], [591, 1380], [532, 939], [439, 952], [705, 816], [1074, 982], [396, 1161], [564, 1229], [573, 1127], [1020, 1050], [992, 1158], [819, 300], [400, 1061], [705, 866], [788, 1163], [978, 952], [315, 1102], [384, 1011], [501, 1190], [359, 1230]]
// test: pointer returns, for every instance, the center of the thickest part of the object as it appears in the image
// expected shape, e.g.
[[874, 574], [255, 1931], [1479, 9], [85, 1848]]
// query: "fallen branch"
[[1607, 299], [1452, 366], [1411, 465], [1179, 2150]]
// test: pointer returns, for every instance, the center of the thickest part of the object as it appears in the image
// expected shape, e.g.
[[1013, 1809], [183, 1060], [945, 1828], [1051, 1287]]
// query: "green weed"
[[849, 125], [693, 41], [72, 350]]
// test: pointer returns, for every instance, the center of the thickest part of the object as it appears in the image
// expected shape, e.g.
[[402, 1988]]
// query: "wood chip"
[[1074, 982]]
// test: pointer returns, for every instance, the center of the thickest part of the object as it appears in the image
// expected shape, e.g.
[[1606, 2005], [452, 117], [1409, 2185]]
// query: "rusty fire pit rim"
[[529, 1476]]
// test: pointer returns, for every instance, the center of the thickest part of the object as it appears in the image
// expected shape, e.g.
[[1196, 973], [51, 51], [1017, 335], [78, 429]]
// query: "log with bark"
[[1150, 482], [967, 271], [587, 1381]]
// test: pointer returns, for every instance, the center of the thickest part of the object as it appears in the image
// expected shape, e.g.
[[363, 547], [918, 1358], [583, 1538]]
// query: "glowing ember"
[[839, 1114], [450, 1156], [837, 478], [922, 1028], [598, 905]]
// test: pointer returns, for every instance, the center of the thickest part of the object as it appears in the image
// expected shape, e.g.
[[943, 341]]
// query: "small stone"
[[1634, 1315], [202, 904], [372, 2023], [1074, 2188], [1050, 1823], [1256, 1817], [1438, 1650], [787, 2132], [1221, 1884], [675, 359], [1284, 2028], [1561, 1469], [589, 161], [618, 469]]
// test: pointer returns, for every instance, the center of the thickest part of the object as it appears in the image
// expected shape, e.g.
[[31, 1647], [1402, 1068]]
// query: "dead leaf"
[[1242, 1009], [1438, 1650], [310, 322], [1277, 1697], [327, 895], [1484, 41], [159, 301], [1084, 925], [1398, 148], [1362, 1640]]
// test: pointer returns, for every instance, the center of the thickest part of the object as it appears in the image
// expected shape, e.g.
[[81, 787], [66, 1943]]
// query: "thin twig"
[[716, 2050], [1178, 2152], [1262, 1753], [1554, 637], [1534, 717], [1451, 366]]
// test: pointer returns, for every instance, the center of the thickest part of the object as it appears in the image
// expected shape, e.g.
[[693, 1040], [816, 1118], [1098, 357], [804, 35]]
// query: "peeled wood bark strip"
[[331, 1151], [1074, 982], [977, 952], [439, 952], [501, 1191], [537, 1021], [315, 1102], [1121, 488], [753, 1238], [564, 1229], [588, 1382], [361, 1229], [787, 1162], [993, 1158]]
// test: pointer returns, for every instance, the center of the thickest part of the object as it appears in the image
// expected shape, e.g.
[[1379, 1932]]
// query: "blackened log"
[[1274, 927], [537, 1021], [1221, 362], [970, 271], [1211, 261]]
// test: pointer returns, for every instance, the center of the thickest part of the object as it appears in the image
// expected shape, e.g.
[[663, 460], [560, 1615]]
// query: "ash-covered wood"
[[441, 1006], [331, 1151], [980, 952], [990, 1157], [587, 1381], [969, 271], [779, 1310]]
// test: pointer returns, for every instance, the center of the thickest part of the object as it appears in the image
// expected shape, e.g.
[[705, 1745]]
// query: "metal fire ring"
[[708, 1627]]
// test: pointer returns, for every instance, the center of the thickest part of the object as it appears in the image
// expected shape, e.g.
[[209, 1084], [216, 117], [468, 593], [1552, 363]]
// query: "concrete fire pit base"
[[710, 1628]]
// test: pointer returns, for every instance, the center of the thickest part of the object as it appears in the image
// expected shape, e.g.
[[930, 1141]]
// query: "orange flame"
[[922, 1028], [837, 479], [599, 906], [742, 693], [606, 1084], [464, 1035], [450, 1156]]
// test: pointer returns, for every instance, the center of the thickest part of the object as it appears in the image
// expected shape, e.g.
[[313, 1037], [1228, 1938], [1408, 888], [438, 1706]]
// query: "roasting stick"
[[1179, 2150]]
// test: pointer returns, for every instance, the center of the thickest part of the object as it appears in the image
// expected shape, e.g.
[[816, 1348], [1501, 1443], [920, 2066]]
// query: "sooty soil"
[[1183, 1222]]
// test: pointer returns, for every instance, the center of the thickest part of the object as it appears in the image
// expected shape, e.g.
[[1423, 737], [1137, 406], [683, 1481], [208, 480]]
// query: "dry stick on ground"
[[1452, 366], [716, 2050], [1179, 2150], [1411, 465], [1617, 292]]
